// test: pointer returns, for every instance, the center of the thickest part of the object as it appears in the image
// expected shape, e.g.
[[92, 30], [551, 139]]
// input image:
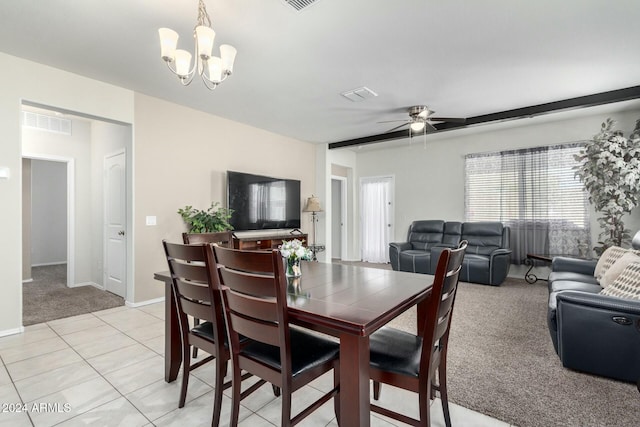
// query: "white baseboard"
[[143, 303], [46, 264], [27, 281], [94, 284], [12, 331]]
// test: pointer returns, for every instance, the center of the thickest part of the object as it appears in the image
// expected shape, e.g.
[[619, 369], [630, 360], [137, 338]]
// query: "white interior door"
[[337, 222], [376, 212], [115, 215]]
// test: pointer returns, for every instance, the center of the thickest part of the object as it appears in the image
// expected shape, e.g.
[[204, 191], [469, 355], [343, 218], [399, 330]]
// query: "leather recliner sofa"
[[487, 259], [590, 332]]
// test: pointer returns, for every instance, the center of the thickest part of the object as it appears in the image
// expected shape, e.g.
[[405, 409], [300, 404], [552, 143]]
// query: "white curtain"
[[375, 212]]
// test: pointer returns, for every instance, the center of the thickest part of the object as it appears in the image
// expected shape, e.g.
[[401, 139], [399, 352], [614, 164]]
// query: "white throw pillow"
[[627, 285], [607, 259], [617, 268]]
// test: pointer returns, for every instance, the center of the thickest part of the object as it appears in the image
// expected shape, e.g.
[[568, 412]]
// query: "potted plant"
[[215, 218], [609, 168]]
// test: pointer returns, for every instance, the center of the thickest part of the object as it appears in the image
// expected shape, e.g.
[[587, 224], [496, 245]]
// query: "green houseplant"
[[609, 168], [215, 218]]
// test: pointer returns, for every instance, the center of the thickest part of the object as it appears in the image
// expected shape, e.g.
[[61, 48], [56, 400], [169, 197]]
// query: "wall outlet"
[[151, 220]]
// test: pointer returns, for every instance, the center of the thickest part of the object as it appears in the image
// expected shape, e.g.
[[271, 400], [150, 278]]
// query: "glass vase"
[[293, 267]]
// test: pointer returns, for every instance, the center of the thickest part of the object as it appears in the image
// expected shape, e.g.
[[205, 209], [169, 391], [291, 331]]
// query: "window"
[[534, 192]]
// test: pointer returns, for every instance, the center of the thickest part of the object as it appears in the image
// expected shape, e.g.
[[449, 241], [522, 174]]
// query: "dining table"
[[348, 302]]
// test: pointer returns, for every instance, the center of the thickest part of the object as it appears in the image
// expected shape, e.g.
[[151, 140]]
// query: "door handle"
[[121, 233]]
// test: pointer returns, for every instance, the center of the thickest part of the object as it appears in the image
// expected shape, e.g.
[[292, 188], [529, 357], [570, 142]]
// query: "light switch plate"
[[4, 173], [151, 220]]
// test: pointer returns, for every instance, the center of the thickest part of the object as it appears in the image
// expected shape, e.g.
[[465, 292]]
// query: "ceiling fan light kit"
[[212, 69]]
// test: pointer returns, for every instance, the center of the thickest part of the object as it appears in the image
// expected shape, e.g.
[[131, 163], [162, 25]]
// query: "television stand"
[[266, 241]]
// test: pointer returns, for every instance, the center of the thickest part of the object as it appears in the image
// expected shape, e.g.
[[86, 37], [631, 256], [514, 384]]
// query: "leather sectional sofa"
[[486, 260], [593, 333]]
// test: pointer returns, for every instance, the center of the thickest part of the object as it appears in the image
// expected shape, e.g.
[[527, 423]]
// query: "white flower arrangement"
[[295, 250], [608, 167]]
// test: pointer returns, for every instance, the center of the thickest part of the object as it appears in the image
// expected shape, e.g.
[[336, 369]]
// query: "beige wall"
[[25, 80], [181, 157]]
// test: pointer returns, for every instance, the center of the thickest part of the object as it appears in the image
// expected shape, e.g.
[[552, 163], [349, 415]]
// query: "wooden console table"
[[267, 241]]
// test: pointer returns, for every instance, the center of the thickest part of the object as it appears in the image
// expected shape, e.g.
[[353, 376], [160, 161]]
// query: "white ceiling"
[[462, 58]]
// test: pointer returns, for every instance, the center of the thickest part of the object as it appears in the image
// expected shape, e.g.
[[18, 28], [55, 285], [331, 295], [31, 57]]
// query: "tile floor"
[[106, 369]]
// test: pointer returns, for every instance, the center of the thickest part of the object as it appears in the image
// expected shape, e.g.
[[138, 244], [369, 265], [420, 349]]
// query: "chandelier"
[[212, 69]]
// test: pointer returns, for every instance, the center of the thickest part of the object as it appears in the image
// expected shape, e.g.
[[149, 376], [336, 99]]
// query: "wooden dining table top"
[[350, 299]]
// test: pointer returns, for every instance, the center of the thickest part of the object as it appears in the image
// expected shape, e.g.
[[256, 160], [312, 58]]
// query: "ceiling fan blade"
[[398, 127], [430, 127], [391, 121], [448, 119]]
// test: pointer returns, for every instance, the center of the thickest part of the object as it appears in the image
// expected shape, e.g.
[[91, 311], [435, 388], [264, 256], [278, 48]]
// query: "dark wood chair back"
[[196, 288], [440, 308], [256, 300], [410, 362], [255, 296], [193, 284], [222, 238]]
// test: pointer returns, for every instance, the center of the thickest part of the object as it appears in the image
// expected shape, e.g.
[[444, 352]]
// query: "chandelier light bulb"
[[168, 43], [215, 69], [183, 63], [204, 38], [228, 55]]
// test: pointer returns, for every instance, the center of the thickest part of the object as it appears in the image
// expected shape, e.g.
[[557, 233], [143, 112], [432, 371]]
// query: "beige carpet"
[[502, 363], [48, 298]]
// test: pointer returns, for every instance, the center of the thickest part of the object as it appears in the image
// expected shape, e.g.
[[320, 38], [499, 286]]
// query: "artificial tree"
[[609, 168]]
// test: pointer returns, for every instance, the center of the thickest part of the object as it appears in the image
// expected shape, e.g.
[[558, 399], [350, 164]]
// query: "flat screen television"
[[262, 202]]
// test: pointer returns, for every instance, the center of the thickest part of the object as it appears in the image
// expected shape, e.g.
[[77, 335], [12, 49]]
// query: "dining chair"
[[410, 361], [255, 297], [197, 293], [222, 238]]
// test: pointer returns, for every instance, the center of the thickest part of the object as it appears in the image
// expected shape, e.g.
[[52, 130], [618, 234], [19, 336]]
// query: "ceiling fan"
[[421, 117]]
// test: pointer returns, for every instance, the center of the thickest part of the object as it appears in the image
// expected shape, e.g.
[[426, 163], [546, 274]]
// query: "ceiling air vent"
[[360, 94], [299, 4], [46, 123]]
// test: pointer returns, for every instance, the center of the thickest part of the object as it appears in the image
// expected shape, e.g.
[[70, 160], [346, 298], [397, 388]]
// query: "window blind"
[[534, 191]]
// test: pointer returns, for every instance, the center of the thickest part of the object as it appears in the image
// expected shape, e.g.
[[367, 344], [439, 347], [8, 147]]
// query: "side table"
[[529, 276], [529, 260], [315, 249]]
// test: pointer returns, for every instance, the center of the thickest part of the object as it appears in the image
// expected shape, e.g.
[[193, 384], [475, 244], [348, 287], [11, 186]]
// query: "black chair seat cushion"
[[396, 351], [205, 330], [307, 351]]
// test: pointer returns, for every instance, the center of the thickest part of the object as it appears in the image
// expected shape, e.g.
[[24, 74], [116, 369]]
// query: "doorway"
[[47, 217], [376, 213], [338, 217], [84, 143]]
